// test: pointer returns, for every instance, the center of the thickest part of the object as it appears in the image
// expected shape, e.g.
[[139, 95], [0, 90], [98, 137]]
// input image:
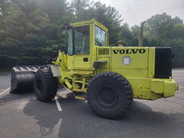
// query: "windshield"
[[100, 36], [79, 41], [70, 43]]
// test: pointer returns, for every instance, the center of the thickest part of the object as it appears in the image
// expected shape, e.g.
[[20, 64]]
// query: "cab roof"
[[89, 22]]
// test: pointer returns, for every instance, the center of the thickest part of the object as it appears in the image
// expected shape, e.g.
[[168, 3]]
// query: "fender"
[[55, 70]]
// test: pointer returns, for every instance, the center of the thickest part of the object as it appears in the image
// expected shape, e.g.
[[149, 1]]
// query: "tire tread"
[[128, 93]]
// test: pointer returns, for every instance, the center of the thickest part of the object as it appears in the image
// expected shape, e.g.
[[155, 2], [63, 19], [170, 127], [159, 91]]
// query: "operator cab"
[[83, 38]]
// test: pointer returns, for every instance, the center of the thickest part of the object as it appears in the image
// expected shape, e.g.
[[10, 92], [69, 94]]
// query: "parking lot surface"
[[22, 115]]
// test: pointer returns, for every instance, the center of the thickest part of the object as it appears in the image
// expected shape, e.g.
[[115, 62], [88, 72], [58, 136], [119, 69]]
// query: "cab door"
[[79, 48]]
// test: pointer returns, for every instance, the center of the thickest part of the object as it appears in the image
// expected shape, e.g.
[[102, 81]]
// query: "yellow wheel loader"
[[108, 77]]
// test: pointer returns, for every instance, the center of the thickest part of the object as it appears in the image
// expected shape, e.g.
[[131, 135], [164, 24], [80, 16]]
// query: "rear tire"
[[109, 95], [45, 85]]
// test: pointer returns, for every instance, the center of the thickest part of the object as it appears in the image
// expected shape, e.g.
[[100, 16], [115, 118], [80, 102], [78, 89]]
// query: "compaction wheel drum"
[[22, 78]]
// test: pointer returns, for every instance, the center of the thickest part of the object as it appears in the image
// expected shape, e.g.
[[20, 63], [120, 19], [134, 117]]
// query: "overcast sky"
[[135, 11]]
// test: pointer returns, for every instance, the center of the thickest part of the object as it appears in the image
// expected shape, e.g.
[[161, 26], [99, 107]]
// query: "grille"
[[163, 67], [103, 51]]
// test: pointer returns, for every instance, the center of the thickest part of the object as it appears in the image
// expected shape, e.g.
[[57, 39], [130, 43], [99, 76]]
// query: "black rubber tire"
[[109, 95], [45, 85]]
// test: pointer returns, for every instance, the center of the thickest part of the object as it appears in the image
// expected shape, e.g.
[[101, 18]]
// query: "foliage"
[[30, 29], [165, 31]]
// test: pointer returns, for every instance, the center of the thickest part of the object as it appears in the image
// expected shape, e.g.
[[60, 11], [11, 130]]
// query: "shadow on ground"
[[77, 120], [11, 97]]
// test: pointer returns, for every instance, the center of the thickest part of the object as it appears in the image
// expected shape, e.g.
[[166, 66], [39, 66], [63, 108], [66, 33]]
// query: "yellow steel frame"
[[76, 74]]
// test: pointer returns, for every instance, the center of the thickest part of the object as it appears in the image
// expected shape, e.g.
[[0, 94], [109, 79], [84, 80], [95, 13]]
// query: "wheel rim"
[[39, 86], [106, 96]]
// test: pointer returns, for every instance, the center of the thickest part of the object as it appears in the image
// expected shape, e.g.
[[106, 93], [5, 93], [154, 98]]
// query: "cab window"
[[78, 42], [70, 42], [100, 36]]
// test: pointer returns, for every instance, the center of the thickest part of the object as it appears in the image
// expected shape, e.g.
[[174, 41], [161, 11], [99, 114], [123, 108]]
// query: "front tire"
[[109, 95], [45, 85]]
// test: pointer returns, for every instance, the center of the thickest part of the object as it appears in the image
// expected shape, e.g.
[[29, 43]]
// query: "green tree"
[[30, 30], [165, 31], [80, 8]]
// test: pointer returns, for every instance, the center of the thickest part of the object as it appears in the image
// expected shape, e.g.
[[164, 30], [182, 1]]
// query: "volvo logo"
[[129, 51]]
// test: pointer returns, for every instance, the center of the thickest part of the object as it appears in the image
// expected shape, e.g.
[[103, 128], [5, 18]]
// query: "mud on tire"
[[109, 95]]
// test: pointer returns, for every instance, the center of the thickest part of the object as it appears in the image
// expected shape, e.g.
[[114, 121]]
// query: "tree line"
[[30, 30]]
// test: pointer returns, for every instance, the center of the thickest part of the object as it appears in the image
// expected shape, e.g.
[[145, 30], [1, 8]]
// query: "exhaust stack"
[[141, 33]]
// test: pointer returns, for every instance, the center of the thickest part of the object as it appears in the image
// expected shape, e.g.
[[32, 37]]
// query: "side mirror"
[[66, 27]]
